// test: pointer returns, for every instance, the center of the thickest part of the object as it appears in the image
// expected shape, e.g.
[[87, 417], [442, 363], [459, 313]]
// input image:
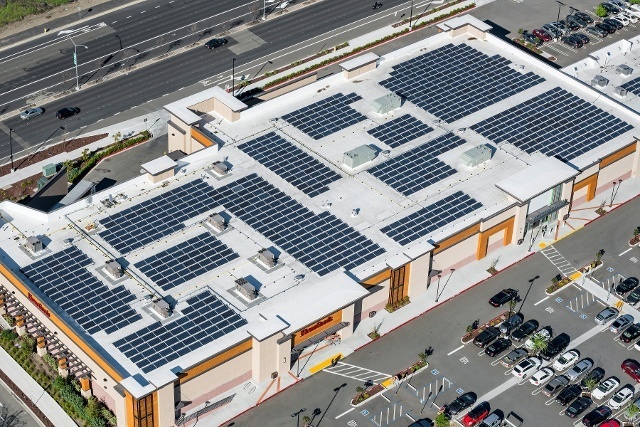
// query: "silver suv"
[[493, 420], [554, 31]]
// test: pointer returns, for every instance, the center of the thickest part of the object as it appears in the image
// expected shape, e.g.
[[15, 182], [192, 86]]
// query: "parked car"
[[622, 18], [610, 8], [461, 403], [577, 20], [497, 347], [425, 422], [572, 25], [555, 385], [503, 297], [596, 416], [527, 367], [605, 388], [628, 284], [608, 28], [605, 315], [530, 38], [578, 406], [610, 423], [555, 346], [595, 375], [597, 31], [622, 396], [584, 39], [493, 420], [619, 4], [542, 35], [579, 369], [544, 333], [485, 337], [633, 297], [215, 43], [632, 368], [67, 112], [566, 361], [477, 414], [526, 329], [632, 18], [631, 333], [571, 41], [560, 25], [511, 323], [30, 113], [621, 323], [568, 393], [555, 32], [514, 357], [584, 16], [541, 377]]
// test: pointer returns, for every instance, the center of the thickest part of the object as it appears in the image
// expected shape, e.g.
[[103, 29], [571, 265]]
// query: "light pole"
[[264, 10], [438, 288], [11, 150], [75, 60], [560, 4], [233, 77], [613, 191], [411, 15]]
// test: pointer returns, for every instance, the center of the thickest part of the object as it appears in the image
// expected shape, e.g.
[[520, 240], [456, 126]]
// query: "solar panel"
[[327, 116], [203, 321], [431, 218], [94, 306], [455, 81], [418, 168], [291, 163], [156, 218], [555, 123], [186, 261], [320, 241], [399, 131], [633, 86]]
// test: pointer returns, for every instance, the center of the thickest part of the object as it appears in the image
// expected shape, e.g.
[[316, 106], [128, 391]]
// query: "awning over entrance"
[[319, 337], [545, 211]]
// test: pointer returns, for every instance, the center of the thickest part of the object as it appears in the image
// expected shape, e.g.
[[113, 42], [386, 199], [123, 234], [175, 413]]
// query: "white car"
[[566, 361], [621, 397], [629, 16], [544, 333], [637, 345], [605, 388], [30, 113], [526, 367], [542, 376], [579, 369], [622, 18]]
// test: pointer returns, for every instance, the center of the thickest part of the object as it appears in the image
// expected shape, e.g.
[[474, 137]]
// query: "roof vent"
[[34, 244], [268, 258], [358, 156], [217, 222], [624, 70], [387, 103], [599, 81], [620, 91], [161, 307], [246, 289], [114, 269], [476, 156], [220, 168], [355, 212]]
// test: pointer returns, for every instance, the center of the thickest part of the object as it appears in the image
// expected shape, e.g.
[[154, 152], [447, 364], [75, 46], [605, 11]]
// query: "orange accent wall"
[[378, 278], [630, 149], [405, 289], [201, 137], [219, 359], [591, 183], [129, 401], [483, 238], [336, 318], [62, 326], [457, 238]]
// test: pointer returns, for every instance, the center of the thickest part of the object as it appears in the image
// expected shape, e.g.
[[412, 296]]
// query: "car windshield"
[[562, 360], [606, 387]]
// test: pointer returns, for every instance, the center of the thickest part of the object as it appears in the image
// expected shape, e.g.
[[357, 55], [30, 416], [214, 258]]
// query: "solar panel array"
[[160, 216], [186, 261], [399, 131], [320, 241], [431, 218], [455, 81], [94, 306], [633, 86], [556, 123], [327, 116], [205, 320], [418, 168], [291, 163]]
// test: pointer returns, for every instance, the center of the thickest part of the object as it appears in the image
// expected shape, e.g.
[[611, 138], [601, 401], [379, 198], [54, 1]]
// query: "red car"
[[542, 35], [477, 414], [632, 368], [611, 423]]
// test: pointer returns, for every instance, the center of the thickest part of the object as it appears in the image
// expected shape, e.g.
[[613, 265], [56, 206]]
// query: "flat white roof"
[[159, 165], [359, 61], [537, 178], [181, 110]]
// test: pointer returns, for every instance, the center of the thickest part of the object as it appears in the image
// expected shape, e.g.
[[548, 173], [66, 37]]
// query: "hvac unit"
[[476, 156], [217, 222], [34, 244], [624, 70], [387, 103], [620, 91], [246, 289], [114, 269], [268, 258], [358, 156], [599, 81], [220, 168], [161, 307]]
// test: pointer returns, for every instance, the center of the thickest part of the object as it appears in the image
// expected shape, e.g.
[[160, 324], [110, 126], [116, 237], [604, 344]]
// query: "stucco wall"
[[455, 254], [377, 300]]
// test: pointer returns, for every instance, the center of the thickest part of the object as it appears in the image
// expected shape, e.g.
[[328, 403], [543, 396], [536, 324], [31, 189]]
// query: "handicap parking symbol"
[[558, 299], [435, 371], [610, 269], [459, 391], [364, 412], [583, 316]]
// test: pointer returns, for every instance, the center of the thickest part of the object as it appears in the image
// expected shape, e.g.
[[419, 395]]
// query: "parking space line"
[[451, 352], [625, 251], [542, 300], [345, 413]]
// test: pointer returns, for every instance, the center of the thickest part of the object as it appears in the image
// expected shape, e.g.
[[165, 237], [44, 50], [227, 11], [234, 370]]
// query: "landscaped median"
[[474, 332]]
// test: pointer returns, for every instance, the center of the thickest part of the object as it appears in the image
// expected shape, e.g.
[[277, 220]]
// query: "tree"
[[632, 411], [601, 11], [360, 390], [442, 420], [306, 421], [635, 1], [590, 383], [539, 344]]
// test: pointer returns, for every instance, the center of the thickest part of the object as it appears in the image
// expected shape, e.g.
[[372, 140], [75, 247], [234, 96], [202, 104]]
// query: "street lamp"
[[411, 15], [264, 10], [560, 4], [11, 150], [233, 77], [75, 60], [613, 191], [438, 288]]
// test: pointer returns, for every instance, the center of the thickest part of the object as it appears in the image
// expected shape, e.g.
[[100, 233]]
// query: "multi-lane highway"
[[157, 78]]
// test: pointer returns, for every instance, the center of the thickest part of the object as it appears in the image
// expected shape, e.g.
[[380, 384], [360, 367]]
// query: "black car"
[[526, 329], [577, 20], [633, 297], [631, 333], [578, 406], [569, 393], [608, 28], [596, 416], [461, 403], [503, 297], [486, 336], [596, 374], [572, 25], [628, 284], [598, 32], [67, 112], [530, 38], [614, 23], [584, 39], [572, 42], [497, 347], [584, 16], [556, 346], [610, 8], [214, 43]]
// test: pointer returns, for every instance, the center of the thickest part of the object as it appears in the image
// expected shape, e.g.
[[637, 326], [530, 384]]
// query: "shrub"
[[7, 335], [601, 11], [51, 361]]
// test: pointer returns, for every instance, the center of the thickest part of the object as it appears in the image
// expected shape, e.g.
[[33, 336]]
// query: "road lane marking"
[[451, 352], [542, 300], [128, 16], [625, 251], [345, 413]]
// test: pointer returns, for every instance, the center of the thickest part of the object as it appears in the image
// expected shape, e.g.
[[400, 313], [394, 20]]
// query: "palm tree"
[[632, 411], [590, 383], [539, 344], [442, 420], [306, 421]]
